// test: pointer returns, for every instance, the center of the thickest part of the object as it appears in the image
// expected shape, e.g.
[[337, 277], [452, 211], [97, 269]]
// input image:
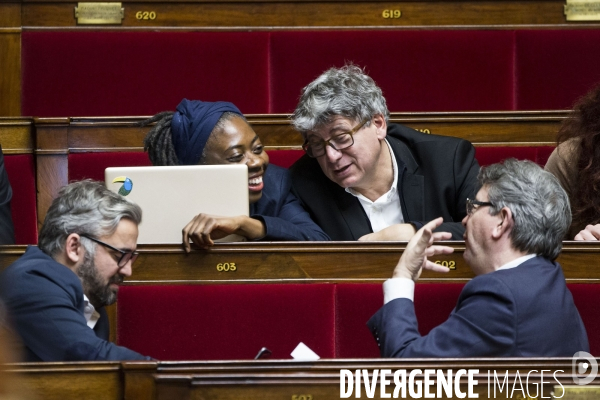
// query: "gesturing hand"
[[414, 258]]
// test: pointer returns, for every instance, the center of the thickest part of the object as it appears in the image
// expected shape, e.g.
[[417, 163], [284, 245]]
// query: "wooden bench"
[[279, 379], [68, 381]]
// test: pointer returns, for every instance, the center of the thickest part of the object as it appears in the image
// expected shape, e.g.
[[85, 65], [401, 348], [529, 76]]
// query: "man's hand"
[[591, 232], [204, 228], [414, 258], [392, 232]]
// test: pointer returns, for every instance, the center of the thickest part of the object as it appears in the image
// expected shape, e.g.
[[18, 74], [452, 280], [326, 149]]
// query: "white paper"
[[303, 353]]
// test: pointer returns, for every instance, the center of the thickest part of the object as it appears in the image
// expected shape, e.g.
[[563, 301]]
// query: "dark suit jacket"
[[525, 311], [7, 231], [45, 303], [281, 212], [436, 174]]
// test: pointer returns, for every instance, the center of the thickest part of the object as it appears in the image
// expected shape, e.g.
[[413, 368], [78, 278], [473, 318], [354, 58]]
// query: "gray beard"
[[98, 293]]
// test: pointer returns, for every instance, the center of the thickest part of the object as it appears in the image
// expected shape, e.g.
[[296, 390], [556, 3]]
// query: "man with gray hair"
[[518, 305], [56, 293], [363, 178]]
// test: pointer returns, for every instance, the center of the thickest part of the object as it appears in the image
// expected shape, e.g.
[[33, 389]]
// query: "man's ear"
[[380, 123], [505, 223], [73, 249]]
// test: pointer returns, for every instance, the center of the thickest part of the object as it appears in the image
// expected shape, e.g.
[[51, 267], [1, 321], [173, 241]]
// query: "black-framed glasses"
[[126, 256], [471, 203], [316, 148]]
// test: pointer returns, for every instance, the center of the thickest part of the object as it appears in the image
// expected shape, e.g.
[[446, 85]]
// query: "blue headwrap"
[[192, 124]]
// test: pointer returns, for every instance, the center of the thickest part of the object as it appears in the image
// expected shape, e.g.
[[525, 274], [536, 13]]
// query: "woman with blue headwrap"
[[217, 133]]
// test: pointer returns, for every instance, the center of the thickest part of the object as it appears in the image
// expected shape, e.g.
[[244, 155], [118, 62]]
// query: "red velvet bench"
[[187, 322], [142, 73]]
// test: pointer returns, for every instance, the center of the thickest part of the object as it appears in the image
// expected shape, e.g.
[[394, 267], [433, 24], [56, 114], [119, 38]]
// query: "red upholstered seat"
[[92, 165], [356, 303], [95, 73], [21, 174], [587, 298], [141, 73], [185, 322], [492, 155], [284, 158], [555, 67], [423, 70], [210, 322], [484, 155]]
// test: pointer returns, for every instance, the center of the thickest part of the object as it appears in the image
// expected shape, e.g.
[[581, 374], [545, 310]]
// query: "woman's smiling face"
[[237, 143]]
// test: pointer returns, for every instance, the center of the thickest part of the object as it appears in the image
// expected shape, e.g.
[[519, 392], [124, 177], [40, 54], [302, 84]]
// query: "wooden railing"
[[286, 379], [310, 262]]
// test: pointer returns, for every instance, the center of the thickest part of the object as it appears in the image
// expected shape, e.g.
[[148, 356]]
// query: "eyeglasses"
[[472, 203], [126, 256], [316, 148]]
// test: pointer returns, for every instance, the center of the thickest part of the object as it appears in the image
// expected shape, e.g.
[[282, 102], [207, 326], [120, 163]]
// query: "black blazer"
[[436, 174], [281, 212]]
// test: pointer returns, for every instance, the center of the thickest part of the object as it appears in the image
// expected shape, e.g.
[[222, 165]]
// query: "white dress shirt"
[[404, 288], [89, 312], [386, 210]]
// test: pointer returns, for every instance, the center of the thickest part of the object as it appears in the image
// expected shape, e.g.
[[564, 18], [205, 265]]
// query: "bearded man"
[[55, 293]]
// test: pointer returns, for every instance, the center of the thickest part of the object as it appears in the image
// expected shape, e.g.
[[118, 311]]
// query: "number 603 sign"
[[226, 267]]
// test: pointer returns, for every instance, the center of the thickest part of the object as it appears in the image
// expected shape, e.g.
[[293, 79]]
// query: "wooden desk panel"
[[16, 135], [321, 379], [70, 381], [321, 262], [10, 58], [272, 379], [271, 14], [519, 128], [281, 262]]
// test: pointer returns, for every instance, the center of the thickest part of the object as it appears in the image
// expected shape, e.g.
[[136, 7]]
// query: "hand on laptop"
[[204, 228]]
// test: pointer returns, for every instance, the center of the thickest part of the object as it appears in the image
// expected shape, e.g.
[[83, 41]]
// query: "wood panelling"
[[10, 14], [273, 379], [10, 59], [10, 72], [16, 135], [274, 14], [519, 128], [264, 262], [51, 161], [65, 381]]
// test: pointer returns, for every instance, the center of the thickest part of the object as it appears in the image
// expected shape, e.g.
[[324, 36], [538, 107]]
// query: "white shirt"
[[89, 312], [404, 288], [386, 210]]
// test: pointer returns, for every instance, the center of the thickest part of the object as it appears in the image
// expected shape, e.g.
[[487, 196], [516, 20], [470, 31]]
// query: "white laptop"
[[171, 196]]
